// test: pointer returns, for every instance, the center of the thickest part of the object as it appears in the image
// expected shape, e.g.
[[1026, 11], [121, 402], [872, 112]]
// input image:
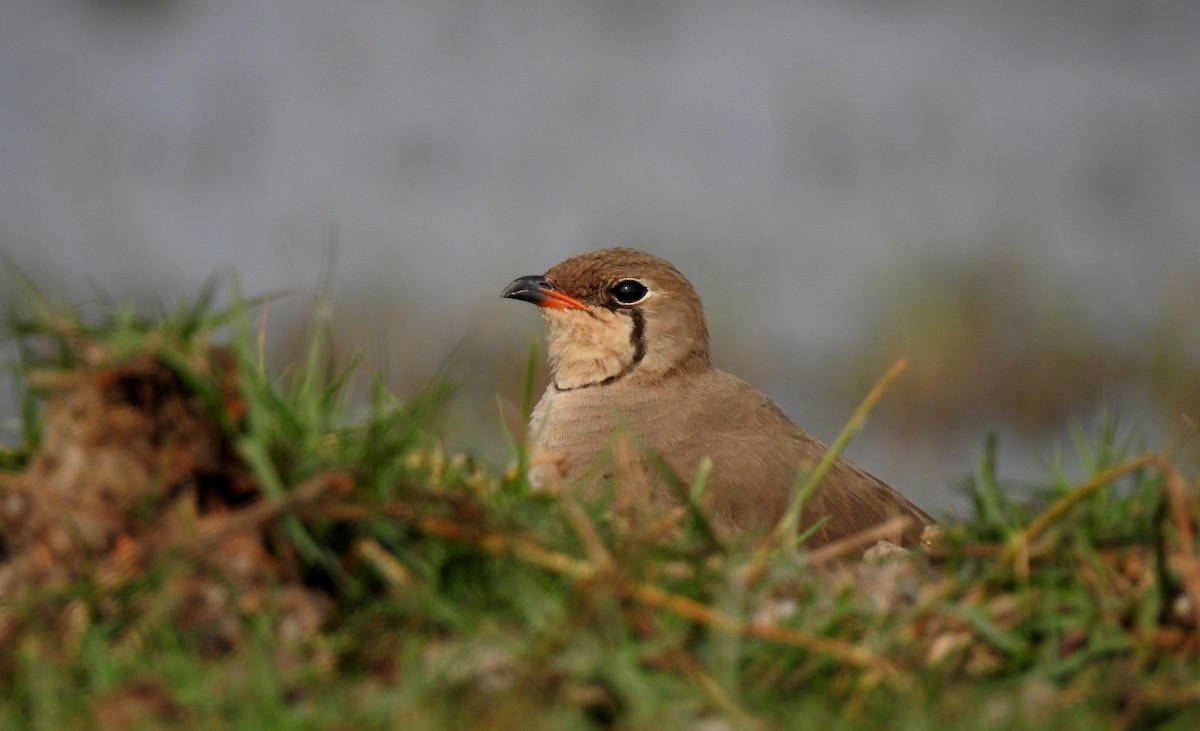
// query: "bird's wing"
[[758, 453]]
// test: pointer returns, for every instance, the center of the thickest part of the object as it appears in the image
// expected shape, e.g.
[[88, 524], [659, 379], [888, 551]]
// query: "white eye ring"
[[629, 291]]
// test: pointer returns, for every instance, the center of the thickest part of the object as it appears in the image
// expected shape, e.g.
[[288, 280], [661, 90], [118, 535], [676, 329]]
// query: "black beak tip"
[[528, 288]]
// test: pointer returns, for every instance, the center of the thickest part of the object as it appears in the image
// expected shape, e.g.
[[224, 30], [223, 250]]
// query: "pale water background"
[[790, 157]]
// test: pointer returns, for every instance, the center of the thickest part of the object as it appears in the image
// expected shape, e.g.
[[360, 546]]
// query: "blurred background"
[[1006, 193]]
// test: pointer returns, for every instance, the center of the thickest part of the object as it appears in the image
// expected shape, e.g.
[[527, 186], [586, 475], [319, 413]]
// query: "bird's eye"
[[629, 291]]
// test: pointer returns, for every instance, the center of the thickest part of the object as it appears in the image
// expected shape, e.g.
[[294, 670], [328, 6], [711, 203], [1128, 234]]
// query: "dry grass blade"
[[860, 540], [586, 531], [718, 696], [648, 594], [392, 571], [784, 535], [1018, 549]]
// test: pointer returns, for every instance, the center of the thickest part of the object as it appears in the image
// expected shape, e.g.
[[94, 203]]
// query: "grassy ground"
[[194, 539]]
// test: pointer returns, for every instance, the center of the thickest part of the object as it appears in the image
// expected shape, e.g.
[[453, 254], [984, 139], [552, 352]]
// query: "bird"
[[633, 392]]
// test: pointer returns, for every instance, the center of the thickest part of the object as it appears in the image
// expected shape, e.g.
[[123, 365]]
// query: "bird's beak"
[[534, 288]]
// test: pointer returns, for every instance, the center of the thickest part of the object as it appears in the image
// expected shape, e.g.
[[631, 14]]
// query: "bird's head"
[[616, 314]]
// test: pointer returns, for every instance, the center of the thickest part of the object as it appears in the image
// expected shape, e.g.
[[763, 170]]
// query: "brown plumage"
[[631, 377]]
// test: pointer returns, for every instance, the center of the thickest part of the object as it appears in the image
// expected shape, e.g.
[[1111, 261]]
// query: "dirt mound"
[[134, 474]]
